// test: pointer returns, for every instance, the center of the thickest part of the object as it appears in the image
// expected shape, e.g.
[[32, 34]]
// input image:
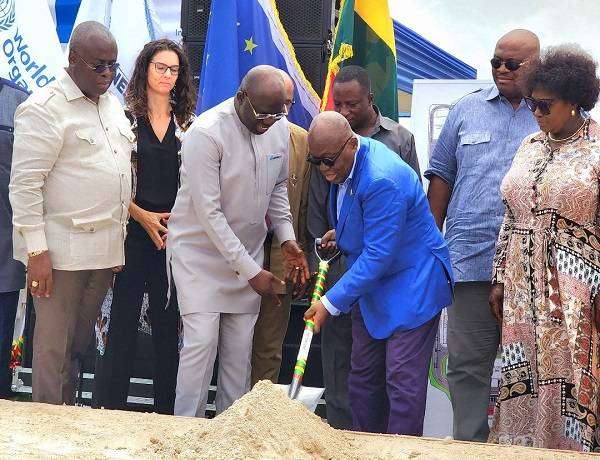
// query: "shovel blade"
[[308, 396]]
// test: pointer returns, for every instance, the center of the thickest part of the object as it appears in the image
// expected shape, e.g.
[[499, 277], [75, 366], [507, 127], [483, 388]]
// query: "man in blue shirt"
[[473, 153], [398, 280]]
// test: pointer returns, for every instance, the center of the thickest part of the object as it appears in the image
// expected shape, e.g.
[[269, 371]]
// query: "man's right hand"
[[267, 284], [438, 194], [496, 301], [39, 275]]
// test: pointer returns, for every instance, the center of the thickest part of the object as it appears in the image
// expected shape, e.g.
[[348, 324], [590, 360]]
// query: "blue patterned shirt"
[[473, 153]]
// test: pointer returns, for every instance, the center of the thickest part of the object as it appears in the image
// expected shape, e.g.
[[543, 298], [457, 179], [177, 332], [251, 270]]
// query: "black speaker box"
[[306, 21], [194, 52], [194, 19], [313, 60]]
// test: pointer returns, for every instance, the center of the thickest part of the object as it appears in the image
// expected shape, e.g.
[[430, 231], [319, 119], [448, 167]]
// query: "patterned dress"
[[548, 257]]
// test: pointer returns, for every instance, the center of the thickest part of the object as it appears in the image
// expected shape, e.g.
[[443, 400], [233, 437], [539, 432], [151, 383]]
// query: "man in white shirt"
[[70, 189], [233, 184]]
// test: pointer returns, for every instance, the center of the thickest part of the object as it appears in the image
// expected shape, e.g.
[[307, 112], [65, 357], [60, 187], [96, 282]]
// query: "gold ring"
[[34, 284]]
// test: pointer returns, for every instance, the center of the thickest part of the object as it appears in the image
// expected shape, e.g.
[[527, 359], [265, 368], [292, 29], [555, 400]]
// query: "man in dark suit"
[[399, 275]]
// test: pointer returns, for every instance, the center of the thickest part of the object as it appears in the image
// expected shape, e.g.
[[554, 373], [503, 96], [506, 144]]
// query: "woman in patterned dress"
[[547, 265]]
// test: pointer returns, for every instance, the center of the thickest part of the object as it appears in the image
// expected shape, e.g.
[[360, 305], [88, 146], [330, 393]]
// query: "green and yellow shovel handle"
[[309, 326]]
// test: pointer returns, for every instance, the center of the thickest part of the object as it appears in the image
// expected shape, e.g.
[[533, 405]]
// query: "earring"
[[573, 112]]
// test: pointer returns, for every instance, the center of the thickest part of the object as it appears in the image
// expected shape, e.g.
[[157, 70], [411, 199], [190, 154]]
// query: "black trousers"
[[336, 349], [144, 270]]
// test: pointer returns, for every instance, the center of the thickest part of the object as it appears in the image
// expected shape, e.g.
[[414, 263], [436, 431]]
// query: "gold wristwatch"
[[35, 253]]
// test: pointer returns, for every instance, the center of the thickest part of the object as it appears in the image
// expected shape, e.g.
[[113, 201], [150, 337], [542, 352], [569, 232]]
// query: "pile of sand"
[[264, 424]]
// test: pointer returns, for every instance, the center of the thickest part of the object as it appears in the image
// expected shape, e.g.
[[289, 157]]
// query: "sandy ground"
[[262, 425]]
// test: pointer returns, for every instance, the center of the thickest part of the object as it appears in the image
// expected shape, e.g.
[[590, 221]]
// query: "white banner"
[[133, 23], [169, 13], [31, 53]]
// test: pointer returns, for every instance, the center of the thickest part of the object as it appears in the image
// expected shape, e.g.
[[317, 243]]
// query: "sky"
[[469, 29]]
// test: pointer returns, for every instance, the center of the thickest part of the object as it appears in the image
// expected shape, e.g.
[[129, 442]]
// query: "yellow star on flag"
[[250, 45]]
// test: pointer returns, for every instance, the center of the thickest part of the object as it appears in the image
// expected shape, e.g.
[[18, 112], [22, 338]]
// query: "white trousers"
[[203, 334]]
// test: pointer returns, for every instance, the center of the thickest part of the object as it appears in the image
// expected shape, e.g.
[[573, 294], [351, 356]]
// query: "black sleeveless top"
[[157, 170]]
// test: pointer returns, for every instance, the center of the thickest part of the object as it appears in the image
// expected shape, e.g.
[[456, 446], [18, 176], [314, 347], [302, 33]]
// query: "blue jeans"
[[8, 311]]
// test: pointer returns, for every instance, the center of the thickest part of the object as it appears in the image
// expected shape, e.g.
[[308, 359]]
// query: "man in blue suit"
[[399, 275]]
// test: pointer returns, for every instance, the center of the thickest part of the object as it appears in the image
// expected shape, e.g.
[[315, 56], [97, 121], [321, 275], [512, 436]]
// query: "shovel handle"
[[309, 329], [320, 282]]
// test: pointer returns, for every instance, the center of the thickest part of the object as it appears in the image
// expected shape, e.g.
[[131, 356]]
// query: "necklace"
[[571, 136]]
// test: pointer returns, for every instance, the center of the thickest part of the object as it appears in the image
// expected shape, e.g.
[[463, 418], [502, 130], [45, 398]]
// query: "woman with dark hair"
[[160, 105], [547, 265]]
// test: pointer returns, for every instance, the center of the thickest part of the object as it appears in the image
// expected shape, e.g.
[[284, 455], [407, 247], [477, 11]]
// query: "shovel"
[[309, 396]]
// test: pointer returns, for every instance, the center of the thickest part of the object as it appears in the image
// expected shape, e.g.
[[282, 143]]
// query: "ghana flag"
[[364, 36]]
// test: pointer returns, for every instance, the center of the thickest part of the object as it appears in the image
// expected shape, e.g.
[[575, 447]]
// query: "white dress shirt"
[[70, 184], [231, 179], [341, 194]]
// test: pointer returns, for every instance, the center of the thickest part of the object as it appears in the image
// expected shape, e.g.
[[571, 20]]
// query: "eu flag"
[[243, 34]]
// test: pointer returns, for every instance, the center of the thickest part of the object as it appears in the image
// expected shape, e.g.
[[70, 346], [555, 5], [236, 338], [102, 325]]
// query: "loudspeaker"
[[313, 60], [308, 24], [194, 19], [194, 52], [306, 21]]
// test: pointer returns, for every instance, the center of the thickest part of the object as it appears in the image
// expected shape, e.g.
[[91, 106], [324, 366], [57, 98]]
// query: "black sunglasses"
[[510, 63], [99, 68], [544, 105], [327, 161]]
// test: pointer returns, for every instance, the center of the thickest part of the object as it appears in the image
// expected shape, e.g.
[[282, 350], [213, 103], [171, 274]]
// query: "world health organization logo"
[[7, 14]]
